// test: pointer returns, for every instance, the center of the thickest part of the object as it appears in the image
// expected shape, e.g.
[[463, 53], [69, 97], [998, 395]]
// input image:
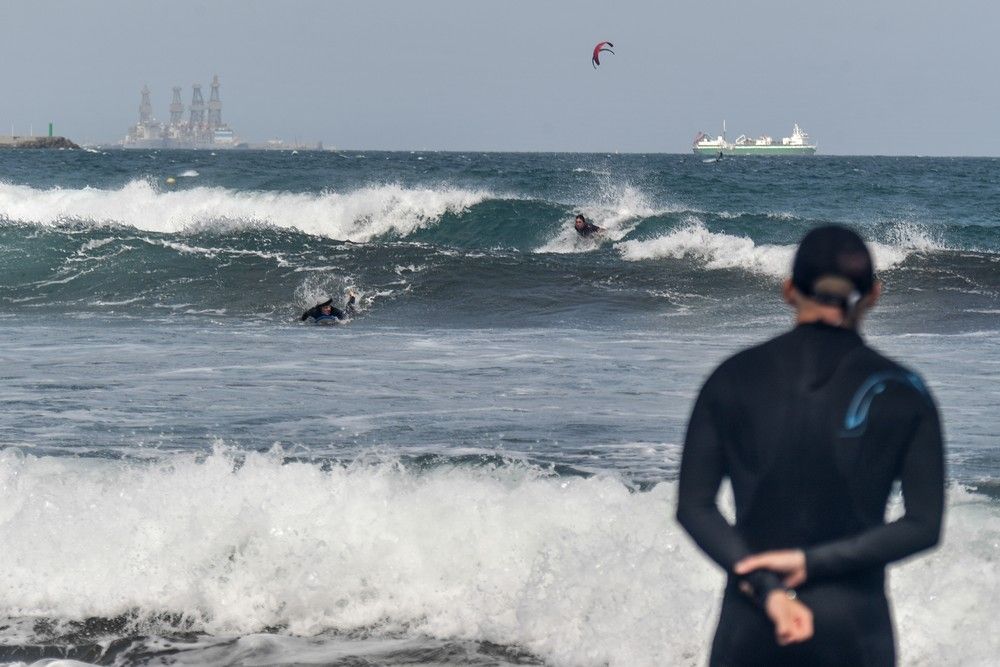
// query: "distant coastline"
[[36, 142]]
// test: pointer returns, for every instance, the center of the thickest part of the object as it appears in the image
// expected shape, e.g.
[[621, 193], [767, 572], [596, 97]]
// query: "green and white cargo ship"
[[797, 144]]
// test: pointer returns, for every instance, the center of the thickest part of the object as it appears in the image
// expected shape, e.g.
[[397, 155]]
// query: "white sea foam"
[[619, 209], [717, 250], [213, 252], [578, 571], [93, 244], [189, 173], [359, 215], [945, 602]]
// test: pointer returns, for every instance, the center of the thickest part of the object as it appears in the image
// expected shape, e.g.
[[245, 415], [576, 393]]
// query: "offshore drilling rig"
[[201, 130]]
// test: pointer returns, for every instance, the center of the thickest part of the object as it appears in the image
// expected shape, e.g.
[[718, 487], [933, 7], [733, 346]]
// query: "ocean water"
[[479, 468]]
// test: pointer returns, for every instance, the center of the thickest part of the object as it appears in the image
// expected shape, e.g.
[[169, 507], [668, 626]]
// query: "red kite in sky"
[[596, 59]]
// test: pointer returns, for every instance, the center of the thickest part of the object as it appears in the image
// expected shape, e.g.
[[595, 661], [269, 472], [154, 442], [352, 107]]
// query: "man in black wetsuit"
[[584, 228], [812, 428], [326, 310]]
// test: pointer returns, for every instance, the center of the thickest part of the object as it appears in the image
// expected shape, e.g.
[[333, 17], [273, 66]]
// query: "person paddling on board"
[[327, 311], [584, 228], [813, 429]]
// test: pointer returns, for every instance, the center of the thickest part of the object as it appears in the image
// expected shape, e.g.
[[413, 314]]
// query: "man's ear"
[[788, 292], [872, 297]]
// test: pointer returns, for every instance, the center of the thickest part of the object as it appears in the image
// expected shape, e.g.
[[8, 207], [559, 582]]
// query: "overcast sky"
[[861, 76]]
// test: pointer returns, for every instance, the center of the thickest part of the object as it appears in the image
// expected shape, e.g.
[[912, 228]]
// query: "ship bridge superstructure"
[[797, 144]]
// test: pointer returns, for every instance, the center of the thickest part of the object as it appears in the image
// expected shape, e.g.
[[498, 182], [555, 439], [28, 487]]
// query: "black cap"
[[833, 265]]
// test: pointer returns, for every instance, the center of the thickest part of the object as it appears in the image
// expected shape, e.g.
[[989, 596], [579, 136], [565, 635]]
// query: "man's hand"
[[793, 621], [789, 562]]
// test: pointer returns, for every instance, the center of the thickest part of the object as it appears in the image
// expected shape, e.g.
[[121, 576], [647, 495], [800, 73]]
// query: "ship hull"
[[728, 151], [178, 144]]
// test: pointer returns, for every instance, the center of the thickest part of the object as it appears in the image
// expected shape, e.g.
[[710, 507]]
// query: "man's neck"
[[828, 315]]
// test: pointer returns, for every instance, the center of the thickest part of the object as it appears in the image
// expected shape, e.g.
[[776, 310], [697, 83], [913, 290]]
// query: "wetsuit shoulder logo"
[[856, 418]]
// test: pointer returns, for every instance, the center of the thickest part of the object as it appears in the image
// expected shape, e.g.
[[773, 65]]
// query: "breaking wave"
[[717, 250], [358, 216], [578, 571], [143, 251]]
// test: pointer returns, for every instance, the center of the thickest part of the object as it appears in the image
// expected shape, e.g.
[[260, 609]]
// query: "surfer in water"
[[584, 228], [812, 428], [327, 311]]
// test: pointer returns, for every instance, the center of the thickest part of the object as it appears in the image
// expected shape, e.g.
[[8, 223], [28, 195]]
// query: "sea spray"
[[578, 571], [617, 210]]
